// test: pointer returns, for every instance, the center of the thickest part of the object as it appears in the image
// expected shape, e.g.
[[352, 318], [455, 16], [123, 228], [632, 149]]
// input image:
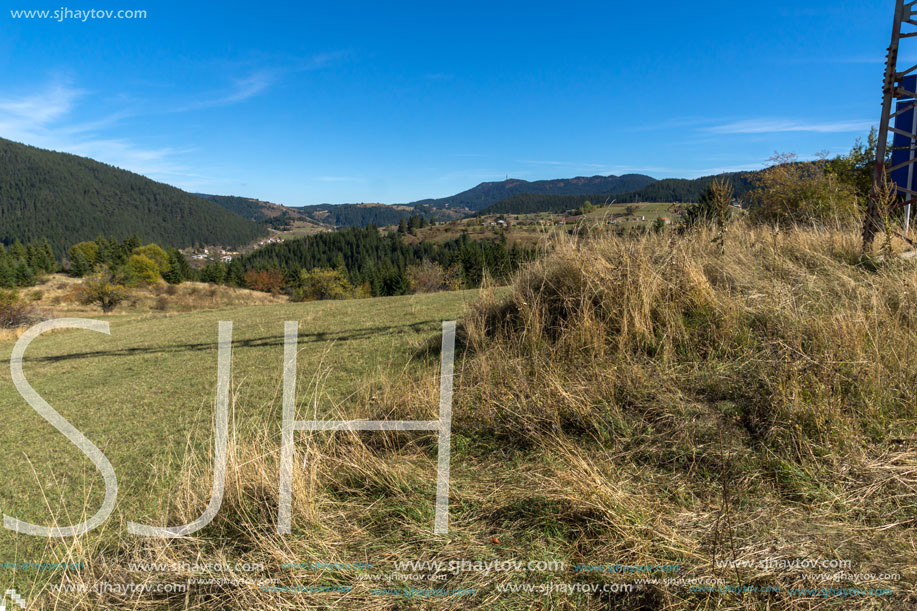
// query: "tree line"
[[353, 262], [382, 264], [21, 264]]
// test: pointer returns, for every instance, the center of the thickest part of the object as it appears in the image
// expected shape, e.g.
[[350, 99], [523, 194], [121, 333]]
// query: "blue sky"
[[392, 102]]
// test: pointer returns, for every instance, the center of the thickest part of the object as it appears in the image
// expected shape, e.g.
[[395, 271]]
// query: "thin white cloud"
[[259, 81], [243, 89], [41, 119], [775, 126], [42, 107], [46, 118]]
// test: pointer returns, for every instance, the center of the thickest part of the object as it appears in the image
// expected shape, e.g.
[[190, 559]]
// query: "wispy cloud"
[[53, 116], [774, 126], [44, 118], [258, 81], [39, 108], [242, 89]]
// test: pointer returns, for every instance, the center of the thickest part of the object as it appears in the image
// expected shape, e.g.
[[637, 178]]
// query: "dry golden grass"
[[56, 296], [648, 400]]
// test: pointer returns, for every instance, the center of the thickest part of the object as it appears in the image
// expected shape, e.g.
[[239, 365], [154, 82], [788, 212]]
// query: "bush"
[[323, 284], [427, 277], [14, 312], [156, 254], [791, 192], [104, 289], [712, 207], [142, 270]]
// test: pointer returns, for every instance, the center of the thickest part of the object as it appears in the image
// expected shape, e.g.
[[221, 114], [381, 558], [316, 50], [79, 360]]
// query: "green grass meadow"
[[145, 395]]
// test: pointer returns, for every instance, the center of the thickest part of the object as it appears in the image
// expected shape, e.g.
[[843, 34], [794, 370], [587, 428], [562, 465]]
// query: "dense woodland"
[[667, 190], [21, 264], [353, 262], [683, 190], [380, 261], [271, 215], [489, 193], [360, 215], [65, 198]]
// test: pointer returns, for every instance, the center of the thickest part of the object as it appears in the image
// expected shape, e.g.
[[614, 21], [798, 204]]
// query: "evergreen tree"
[[213, 272], [18, 251], [24, 274], [235, 273], [7, 275], [178, 270]]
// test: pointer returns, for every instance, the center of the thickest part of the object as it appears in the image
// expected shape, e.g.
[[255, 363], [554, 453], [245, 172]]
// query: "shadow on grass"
[[259, 342]]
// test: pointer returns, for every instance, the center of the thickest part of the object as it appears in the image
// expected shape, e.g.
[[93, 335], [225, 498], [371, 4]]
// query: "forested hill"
[[488, 193], [666, 190], [67, 199], [359, 215], [688, 189], [366, 255], [247, 207]]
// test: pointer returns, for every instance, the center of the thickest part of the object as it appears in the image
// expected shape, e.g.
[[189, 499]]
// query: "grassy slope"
[[145, 391], [642, 401]]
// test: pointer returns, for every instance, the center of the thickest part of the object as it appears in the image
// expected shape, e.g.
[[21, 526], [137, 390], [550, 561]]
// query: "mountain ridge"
[[487, 193]]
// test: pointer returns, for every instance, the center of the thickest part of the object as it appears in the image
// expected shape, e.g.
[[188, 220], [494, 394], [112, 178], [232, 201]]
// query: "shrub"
[[142, 270], [427, 277], [791, 192], [712, 207], [104, 289], [15, 312], [322, 284], [155, 254]]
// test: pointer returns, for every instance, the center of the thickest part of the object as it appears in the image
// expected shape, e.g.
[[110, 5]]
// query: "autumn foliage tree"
[[268, 280]]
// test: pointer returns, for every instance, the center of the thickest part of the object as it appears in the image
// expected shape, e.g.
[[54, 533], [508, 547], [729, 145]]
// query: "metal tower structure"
[[901, 121]]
